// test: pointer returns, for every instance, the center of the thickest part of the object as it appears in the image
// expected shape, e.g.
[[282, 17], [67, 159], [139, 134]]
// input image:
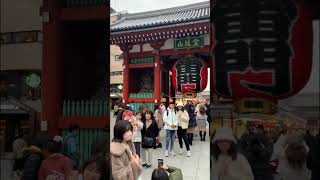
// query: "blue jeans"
[[170, 136]]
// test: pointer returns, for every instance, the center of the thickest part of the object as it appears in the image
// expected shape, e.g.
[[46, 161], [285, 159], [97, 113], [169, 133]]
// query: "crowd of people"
[[137, 134], [40, 157], [290, 154]]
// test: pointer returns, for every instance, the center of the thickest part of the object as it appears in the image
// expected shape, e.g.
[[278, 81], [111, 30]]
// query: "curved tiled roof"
[[162, 17]]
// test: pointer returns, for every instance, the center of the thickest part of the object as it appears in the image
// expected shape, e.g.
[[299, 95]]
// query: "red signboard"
[[262, 48]]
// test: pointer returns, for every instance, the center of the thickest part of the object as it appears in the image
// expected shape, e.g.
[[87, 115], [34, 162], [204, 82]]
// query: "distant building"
[[21, 48], [116, 66], [20, 69]]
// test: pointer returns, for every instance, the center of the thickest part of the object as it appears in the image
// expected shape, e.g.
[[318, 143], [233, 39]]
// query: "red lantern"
[[262, 48], [190, 74]]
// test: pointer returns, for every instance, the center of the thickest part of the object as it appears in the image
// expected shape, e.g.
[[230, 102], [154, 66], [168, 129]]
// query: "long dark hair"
[[296, 155], [202, 110], [232, 152], [120, 128], [148, 112]]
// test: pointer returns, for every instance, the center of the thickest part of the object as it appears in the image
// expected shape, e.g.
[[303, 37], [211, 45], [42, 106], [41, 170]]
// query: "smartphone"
[[160, 162]]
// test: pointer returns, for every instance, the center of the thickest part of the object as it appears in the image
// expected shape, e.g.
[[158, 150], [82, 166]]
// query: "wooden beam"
[[141, 65], [170, 52], [85, 121], [84, 13], [141, 100]]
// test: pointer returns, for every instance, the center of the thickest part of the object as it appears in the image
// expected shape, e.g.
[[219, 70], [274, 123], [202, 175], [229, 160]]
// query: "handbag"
[[148, 142]]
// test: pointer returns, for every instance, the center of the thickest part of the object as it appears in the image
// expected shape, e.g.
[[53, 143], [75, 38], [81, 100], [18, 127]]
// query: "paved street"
[[195, 167]]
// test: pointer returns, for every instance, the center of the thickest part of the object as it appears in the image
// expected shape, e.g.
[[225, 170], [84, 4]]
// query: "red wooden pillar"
[[157, 79], [212, 95], [125, 78], [157, 71], [126, 72], [51, 68], [211, 60]]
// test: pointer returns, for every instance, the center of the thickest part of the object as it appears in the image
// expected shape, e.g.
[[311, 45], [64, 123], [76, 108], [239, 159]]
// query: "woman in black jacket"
[[192, 121], [149, 133]]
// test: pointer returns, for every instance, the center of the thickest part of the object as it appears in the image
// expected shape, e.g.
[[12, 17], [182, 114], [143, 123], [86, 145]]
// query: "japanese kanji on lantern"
[[263, 48], [189, 74]]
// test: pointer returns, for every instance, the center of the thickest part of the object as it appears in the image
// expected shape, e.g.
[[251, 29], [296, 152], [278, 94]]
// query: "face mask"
[[127, 136]]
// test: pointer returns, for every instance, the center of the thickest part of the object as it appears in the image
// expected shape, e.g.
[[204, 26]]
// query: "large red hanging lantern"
[[263, 48], [190, 74]]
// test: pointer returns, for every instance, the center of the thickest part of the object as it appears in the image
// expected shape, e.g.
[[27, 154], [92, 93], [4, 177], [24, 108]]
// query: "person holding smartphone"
[[161, 173], [137, 125]]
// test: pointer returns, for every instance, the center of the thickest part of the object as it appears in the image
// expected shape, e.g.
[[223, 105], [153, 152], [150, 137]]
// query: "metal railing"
[[85, 108], [141, 95]]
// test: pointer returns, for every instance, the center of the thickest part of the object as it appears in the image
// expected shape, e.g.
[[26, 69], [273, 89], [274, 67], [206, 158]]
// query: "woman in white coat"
[[293, 159], [227, 163], [171, 126]]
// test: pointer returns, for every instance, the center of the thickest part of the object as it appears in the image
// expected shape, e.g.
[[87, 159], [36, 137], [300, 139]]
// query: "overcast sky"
[[133, 6]]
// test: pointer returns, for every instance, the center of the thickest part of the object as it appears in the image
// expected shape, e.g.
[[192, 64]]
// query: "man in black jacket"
[[33, 156], [258, 150]]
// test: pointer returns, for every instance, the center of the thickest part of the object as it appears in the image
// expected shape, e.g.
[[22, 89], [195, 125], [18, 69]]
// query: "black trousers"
[[182, 134], [137, 145]]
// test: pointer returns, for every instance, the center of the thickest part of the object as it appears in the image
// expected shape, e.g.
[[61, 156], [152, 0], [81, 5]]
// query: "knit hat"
[[224, 134], [180, 104]]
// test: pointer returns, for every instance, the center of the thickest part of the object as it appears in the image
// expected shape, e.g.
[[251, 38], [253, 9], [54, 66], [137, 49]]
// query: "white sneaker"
[[189, 153], [172, 153], [181, 151], [167, 153]]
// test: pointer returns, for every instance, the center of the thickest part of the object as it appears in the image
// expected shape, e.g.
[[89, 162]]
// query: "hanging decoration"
[[189, 74]]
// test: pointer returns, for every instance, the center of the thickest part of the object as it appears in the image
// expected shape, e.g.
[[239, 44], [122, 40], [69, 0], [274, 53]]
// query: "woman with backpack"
[[171, 126]]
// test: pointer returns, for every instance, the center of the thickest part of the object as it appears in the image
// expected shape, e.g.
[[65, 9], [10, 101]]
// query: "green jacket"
[[175, 173]]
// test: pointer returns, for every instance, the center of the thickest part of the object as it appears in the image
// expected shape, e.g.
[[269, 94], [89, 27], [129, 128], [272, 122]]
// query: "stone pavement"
[[196, 167]]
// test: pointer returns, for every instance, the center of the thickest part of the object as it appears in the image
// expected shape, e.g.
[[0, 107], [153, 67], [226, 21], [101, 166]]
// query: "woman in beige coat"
[[124, 161], [183, 123]]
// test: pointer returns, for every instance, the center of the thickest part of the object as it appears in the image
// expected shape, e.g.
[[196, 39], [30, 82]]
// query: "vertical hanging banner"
[[189, 74], [263, 48]]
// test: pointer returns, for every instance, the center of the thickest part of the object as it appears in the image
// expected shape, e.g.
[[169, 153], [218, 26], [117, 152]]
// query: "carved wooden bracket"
[[125, 47], [157, 44]]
